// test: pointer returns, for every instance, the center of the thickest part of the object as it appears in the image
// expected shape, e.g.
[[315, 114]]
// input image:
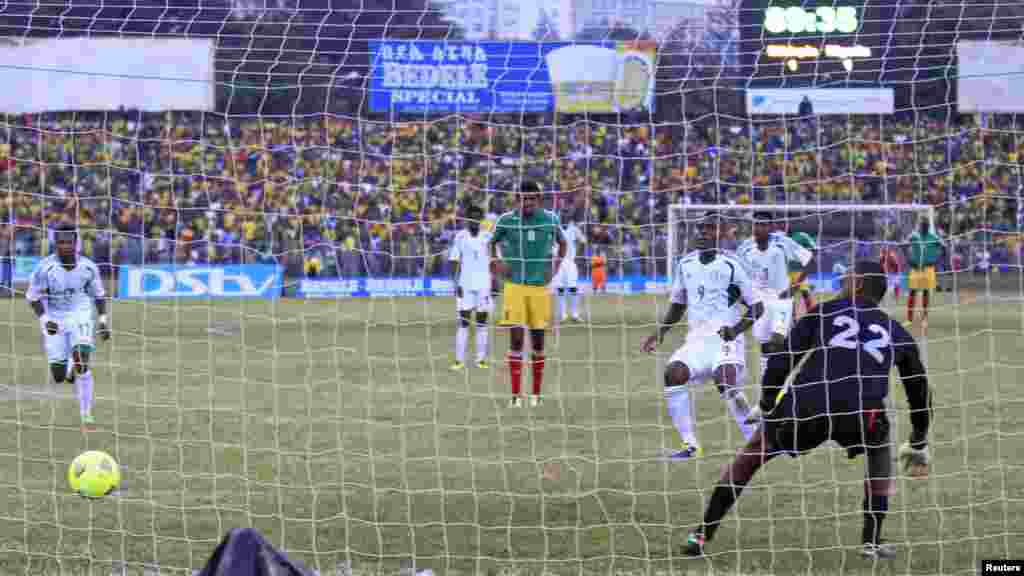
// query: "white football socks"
[[84, 386], [461, 338], [678, 398], [740, 409], [575, 304], [482, 337]]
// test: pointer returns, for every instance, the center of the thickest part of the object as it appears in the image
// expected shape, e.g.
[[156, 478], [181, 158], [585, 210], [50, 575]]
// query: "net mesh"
[[841, 233], [232, 397]]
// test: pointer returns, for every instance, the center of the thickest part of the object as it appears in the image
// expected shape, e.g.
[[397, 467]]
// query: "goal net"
[[272, 191], [838, 234]]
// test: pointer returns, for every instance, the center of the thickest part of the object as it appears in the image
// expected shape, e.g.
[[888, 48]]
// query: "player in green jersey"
[[925, 248], [798, 273], [522, 248], [797, 269]]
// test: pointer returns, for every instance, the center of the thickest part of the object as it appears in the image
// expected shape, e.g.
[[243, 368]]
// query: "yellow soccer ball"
[[94, 474]]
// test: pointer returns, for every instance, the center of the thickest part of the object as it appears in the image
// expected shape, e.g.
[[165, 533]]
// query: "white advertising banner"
[[59, 74], [990, 77], [823, 100]]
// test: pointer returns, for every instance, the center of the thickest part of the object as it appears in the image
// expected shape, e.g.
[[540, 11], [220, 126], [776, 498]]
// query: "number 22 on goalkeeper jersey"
[[852, 349]]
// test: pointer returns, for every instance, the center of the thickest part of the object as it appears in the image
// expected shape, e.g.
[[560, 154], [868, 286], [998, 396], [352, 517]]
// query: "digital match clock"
[[820, 43], [820, 20]]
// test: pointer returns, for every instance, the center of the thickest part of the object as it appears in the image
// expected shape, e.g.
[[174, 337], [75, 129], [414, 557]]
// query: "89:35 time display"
[[823, 20]]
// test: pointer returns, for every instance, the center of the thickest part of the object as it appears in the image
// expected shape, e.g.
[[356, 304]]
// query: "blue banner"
[[170, 281], [399, 287], [23, 267], [512, 77], [374, 287]]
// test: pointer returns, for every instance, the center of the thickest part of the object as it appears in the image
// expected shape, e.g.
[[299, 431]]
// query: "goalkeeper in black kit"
[[839, 395]]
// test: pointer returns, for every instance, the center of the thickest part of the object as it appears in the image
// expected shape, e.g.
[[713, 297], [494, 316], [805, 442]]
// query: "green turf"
[[335, 428]]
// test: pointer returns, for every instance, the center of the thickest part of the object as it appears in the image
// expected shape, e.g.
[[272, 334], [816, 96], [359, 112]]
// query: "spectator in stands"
[[982, 260], [805, 109], [369, 194]]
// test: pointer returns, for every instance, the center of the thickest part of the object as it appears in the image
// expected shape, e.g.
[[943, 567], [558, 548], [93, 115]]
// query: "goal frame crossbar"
[[673, 209]]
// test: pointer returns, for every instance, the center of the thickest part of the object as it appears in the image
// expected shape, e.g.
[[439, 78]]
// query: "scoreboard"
[[820, 43]]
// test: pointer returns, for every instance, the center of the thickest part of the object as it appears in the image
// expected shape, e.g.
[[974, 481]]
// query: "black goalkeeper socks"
[[722, 499], [874, 514]]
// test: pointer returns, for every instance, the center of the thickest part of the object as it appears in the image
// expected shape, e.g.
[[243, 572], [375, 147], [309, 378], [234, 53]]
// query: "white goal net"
[[838, 234], [272, 192]]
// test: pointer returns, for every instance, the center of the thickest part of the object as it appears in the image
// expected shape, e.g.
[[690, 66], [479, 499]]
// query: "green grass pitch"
[[336, 429]]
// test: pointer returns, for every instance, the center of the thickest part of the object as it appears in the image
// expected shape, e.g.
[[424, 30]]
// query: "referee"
[[838, 394]]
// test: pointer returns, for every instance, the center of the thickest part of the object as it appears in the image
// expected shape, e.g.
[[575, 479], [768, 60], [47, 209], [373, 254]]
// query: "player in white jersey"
[[62, 291], [766, 257], [708, 286], [470, 256], [794, 250], [567, 277]]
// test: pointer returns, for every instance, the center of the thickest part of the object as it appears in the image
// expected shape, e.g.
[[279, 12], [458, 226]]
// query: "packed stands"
[[365, 196]]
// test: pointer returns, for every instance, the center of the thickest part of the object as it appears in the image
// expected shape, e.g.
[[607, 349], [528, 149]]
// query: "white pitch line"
[[22, 392]]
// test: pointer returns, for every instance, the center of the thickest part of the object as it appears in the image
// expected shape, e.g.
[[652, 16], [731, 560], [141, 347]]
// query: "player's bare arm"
[[914, 454], [673, 315], [729, 333], [48, 326], [103, 330], [499, 265], [35, 300], [455, 266], [563, 247], [801, 277], [780, 364]]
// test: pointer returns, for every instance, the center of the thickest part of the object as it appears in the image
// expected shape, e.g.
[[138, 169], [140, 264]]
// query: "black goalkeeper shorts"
[[854, 431]]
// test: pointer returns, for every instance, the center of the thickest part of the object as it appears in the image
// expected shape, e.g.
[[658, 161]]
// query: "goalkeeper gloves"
[[754, 416], [915, 460]]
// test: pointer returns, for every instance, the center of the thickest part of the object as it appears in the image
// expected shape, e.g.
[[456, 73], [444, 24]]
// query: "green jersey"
[[526, 245], [806, 241], [925, 250]]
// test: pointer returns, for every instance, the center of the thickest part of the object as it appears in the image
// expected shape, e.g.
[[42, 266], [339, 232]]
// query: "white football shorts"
[[703, 353], [777, 319], [568, 275], [478, 300], [75, 330]]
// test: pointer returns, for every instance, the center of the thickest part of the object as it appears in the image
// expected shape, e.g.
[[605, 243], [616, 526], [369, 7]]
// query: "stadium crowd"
[[353, 197]]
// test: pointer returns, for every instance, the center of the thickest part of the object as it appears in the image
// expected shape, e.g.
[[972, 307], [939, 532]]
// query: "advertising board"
[[512, 77]]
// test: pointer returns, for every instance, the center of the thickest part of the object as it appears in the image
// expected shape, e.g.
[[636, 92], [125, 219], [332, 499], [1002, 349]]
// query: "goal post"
[[837, 227], [272, 191]]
